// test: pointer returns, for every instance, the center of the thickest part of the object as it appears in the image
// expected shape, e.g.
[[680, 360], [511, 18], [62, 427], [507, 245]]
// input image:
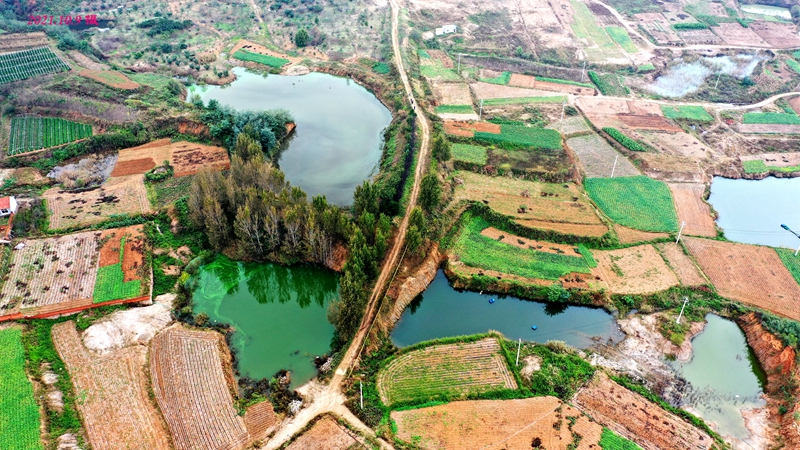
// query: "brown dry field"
[[112, 389], [692, 209], [748, 273], [642, 270], [193, 390], [597, 156], [631, 415], [258, 48], [30, 176], [118, 195], [777, 35], [546, 201], [495, 425], [187, 158], [681, 264], [441, 56], [630, 236], [12, 42], [521, 242], [794, 102], [600, 105], [566, 228], [642, 108], [565, 88], [769, 128], [260, 419], [85, 61], [663, 34], [776, 159], [694, 37], [679, 143], [488, 90], [133, 253], [452, 93], [468, 129], [523, 81], [326, 434], [571, 125], [734, 34], [673, 168], [657, 123], [110, 78]]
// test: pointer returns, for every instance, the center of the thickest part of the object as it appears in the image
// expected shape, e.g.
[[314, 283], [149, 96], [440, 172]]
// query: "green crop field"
[[521, 136], [794, 65], [771, 118], [34, 133], [455, 109], [758, 166], [19, 413], [110, 284], [29, 63], [433, 68], [790, 261], [267, 60], [524, 100], [587, 27], [503, 78], [608, 84], [620, 36], [629, 143], [477, 250], [469, 153], [637, 202], [697, 113], [612, 441]]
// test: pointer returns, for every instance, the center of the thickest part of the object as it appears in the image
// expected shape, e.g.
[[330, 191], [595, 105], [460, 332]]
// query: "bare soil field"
[[679, 143], [734, 34], [696, 37], [187, 158], [776, 159], [85, 61], [648, 122], [634, 270], [566, 228], [468, 129], [12, 42], [442, 56], [494, 425], [642, 108], [118, 195], [326, 434], [681, 264], [769, 128], [565, 88], [523, 81], [631, 236], [541, 246], [748, 273], [260, 419], [691, 208], [550, 20], [597, 157], [110, 78], [545, 201], [602, 105], [193, 391], [452, 93], [113, 390], [777, 34], [133, 254], [632, 416], [665, 167], [488, 90], [794, 102], [657, 26]]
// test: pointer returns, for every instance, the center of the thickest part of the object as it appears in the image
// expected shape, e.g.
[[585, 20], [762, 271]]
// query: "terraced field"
[[29, 63]]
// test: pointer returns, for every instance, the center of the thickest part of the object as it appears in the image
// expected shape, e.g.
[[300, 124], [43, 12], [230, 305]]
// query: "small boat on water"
[[491, 300], [533, 327]]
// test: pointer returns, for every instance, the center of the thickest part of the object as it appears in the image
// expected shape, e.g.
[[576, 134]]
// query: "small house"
[[445, 29], [8, 206]]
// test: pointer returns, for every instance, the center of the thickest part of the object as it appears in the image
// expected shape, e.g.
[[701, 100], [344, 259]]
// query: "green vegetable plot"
[[521, 136], [30, 133], [29, 63], [637, 202], [19, 413], [111, 284], [267, 60]]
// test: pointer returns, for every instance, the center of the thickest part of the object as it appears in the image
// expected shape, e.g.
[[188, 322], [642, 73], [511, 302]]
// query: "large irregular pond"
[[725, 376], [752, 211], [338, 141], [442, 311], [279, 313]]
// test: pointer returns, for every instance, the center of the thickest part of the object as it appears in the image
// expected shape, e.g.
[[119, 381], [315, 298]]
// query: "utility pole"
[[683, 224], [459, 64], [583, 71], [563, 107], [685, 301], [519, 346], [615, 166], [361, 391], [718, 76], [480, 111]]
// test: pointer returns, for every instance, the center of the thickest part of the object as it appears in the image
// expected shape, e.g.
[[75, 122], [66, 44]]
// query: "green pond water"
[[725, 376], [442, 311], [339, 136], [279, 313]]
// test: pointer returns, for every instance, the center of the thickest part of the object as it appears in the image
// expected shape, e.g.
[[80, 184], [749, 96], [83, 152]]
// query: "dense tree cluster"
[[159, 25], [225, 124]]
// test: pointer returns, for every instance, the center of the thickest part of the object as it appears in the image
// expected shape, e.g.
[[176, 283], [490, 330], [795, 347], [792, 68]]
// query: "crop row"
[[521, 136], [612, 441], [771, 118], [19, 413], [625, 141], [638, 202], [33, 133], [267, 60], [29, 63]]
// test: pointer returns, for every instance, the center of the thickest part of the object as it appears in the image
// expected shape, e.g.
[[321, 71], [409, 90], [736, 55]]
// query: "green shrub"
[[159, 173], [625, 141], [646, 67], [689, 26], [608, 84], [380, 68]]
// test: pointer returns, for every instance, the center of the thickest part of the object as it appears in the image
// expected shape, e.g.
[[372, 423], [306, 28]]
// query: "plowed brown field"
[[693, 209], [452, 93], [748, 273], [681, 264], [524, 81], [648, 123], [637, 418], [734, 34], [630, 236], [776, 34], [468, 129], [113, 394], [187, 158], [634, 270], [326, 434]]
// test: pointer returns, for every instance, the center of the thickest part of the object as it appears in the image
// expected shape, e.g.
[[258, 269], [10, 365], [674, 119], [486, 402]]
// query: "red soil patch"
[[187, 158], [441, 56], [109, 251], [525, 81], [133, 254], [132, 167], [692, 209], [468, 129]]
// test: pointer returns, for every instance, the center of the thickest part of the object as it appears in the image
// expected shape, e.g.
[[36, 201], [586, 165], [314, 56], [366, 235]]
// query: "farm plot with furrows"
[[637, 202], [450, 370], [192, 390], [523, 137], [571, 126], [29, 63], [118, 195], [692, 209], [597, 157], [630, 236], [633, 416], [119, 272], [187, 158], [634, 270], [51, 271], [19, 413], [681, 264], [10, 42], [326, 434], [486, 91], [748, 273], [29, 133], [776, 34], [113, 390]]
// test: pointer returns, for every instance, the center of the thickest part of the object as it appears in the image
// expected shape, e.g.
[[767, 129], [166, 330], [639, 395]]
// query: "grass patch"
[[608, 84], [620, 36], [163, 193], [380, 68], [524, 100], [503, 79], [790, 261], [437, 70], [559, 81], [758, 166], [696, 113], [520, 136], [646, 67], [794, 65], [267, 60], [111, 284], [469, 153], [477, 250], [423, 54], [638, 202], [612, 441], [455, 109], [771, 118], [562, 372], [19, 413], [625, 141]]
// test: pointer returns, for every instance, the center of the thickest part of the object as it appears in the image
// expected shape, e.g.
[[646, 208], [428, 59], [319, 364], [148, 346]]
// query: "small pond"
[[752, 211], [766, 10], [279, 313], [442, 311], [725, 376], [339, 136]]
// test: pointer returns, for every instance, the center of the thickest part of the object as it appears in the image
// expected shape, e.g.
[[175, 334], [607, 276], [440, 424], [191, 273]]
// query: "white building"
[[446, 29], [8, 206]]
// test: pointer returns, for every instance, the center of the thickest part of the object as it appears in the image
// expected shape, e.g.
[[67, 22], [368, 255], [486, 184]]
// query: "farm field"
[[25, 64], [451, 370], [455, 109], [620, 36], [692, 209], [189, 383], [791, 262], [597, 157], [111, 78], [434, 68], [524, 100], [633, 416], [768, 128], [765, 162], [630, 236], [771, 118], [10, 42], [187, 158], [496, 425], [118, 195], [251, 47], [19, 414], [637, 202], [452, 93], [267, 60], [474, 154], [634, 270], [776, 34], [696, 113], [548, 202], [29, 133], [601, 48], [571, 125], [468, 129], [488, 91], [750, 274], [115, 406], [522, 137], [680, 263], [326, 434], [120, 266]]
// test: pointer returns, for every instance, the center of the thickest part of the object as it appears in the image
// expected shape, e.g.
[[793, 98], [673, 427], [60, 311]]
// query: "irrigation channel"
[[752, 211], [339, 136], [725, 376], [443, 311], [279, 314]]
